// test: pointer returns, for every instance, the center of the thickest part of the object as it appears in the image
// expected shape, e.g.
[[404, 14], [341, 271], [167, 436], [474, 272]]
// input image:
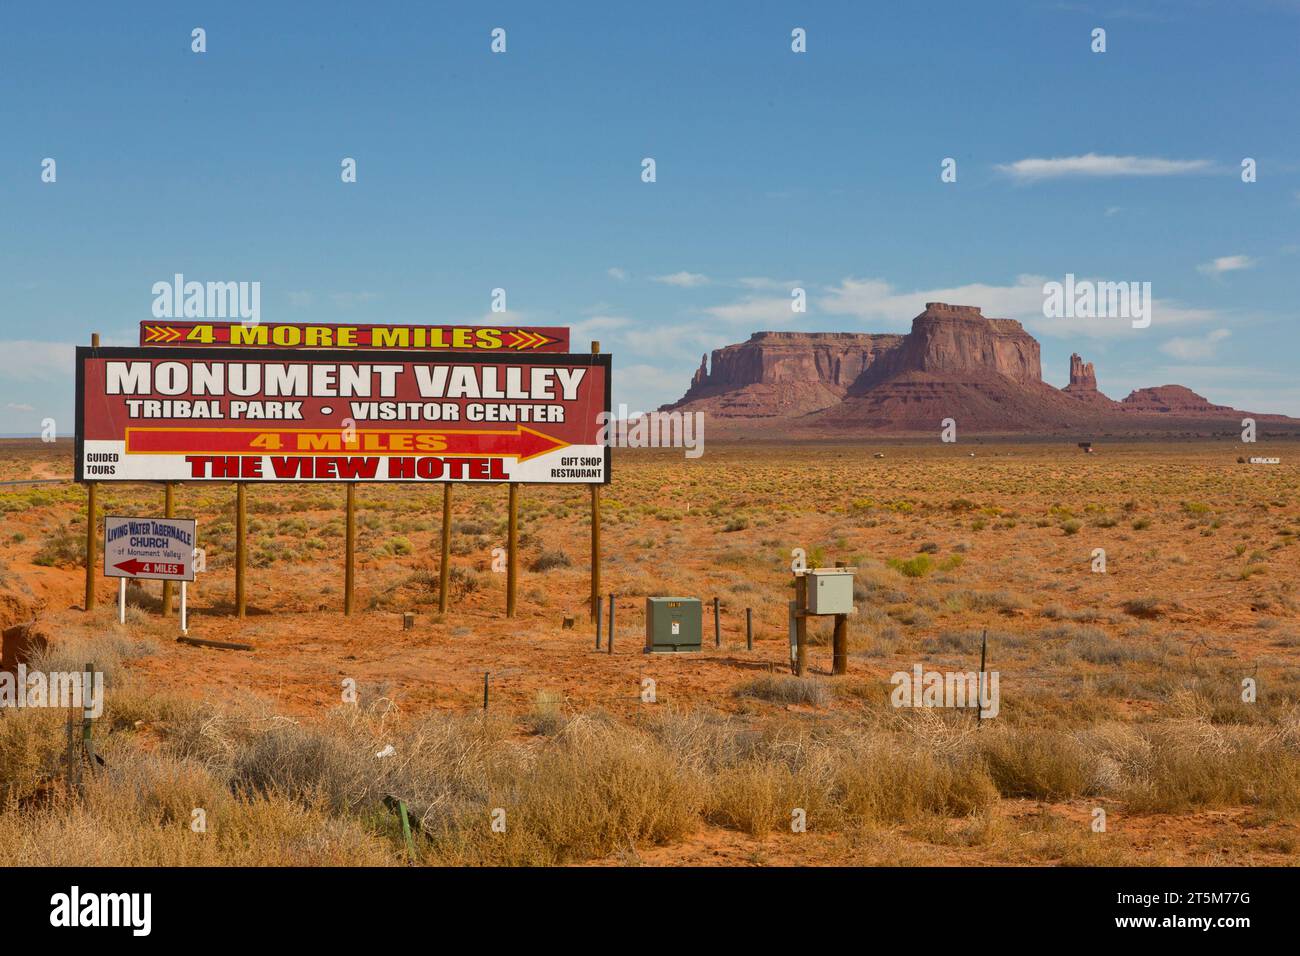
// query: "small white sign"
[[677, 627], [1266, 461], [158, 549]]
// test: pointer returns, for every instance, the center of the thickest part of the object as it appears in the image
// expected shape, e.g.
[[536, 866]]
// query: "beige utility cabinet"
[[830, 590]]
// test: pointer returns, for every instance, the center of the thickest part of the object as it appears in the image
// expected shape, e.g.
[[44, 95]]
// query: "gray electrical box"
[[830, 590], [672, 624]]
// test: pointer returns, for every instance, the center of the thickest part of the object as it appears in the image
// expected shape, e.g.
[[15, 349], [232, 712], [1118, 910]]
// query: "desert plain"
[[1149, 712]]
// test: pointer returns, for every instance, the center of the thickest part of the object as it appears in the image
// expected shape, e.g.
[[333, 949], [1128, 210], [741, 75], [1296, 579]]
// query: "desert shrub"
[[1000, 600], [545, 718], [1096, 647], [399, 545], [1142, 607], [32, 743], [1024, 762], [785, 689], [61, 548], [462, 581], [548, 560], [916, 567]]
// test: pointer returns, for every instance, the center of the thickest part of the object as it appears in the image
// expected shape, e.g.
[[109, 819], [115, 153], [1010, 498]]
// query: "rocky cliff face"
[[783, 373], [1082, 376], [1083, 384], [1171, 400], [955, 363], [958, 342]]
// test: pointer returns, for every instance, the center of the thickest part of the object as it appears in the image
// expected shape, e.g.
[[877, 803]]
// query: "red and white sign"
[[226, 414]]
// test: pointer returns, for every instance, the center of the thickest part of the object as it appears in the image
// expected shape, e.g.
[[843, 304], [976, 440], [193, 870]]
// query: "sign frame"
[[603, 360]]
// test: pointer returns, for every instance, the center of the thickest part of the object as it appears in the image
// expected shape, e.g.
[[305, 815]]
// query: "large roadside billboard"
[[225, 414]]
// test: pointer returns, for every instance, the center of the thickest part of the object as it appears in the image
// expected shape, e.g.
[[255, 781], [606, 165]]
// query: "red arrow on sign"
[[133, 566]]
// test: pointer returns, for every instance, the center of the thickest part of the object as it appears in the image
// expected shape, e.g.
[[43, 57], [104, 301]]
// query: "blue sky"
[[523, 171]]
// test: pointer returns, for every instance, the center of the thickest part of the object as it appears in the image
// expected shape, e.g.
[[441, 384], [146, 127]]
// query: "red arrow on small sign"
[[133, 566]]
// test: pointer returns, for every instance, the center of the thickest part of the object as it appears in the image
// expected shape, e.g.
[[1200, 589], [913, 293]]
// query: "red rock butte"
[[985, 373]]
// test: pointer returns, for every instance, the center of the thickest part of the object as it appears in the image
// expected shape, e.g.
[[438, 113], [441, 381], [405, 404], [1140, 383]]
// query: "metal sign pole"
[[121, 600], [184, 620]]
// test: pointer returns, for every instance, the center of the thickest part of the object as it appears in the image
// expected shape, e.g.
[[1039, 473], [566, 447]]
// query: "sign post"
[[801, 625], [168, 512], [241, 545], [91, 519], [595, 542], [349, 547], [444, 568], [512, 549], [149, 549]]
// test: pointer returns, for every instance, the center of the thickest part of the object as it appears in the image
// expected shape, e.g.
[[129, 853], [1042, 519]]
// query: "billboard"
[[306, 335], [159, 549], [225, 414]]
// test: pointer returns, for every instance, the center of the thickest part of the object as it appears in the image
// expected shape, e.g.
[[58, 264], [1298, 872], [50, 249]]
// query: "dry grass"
[[284, 792]]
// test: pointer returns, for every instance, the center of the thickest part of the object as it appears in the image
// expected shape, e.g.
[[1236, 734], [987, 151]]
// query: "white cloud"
[[674, 343], [774, 311], [614, 272], [1094, 165], [878, 305], [1195, 349], [683, 280], [643, 388], [1226, 264], [595, 328]]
